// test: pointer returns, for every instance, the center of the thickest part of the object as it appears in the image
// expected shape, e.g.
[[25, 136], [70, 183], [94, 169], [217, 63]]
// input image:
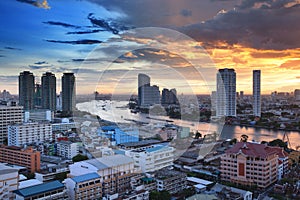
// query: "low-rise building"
[[29, 133], [67, 149], [225, 192], [9, 177], [118, 136], [27, 157], [87, 186], [152, 158], [46, 191]]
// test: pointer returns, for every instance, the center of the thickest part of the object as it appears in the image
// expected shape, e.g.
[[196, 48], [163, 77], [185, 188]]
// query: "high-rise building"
[[68, 93], [143, 80], [9, 115], [256, 93], [67, 149], [150, 95], [49, 91], [37, 96], [168, 96], [226, 92], [297, 94], [26, 90]]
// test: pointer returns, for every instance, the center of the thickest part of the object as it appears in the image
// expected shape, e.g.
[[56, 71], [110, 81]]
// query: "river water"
[[116, 111]]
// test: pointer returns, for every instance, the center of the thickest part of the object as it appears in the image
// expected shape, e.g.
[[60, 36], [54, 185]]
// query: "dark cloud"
[[66, 25], [86, 41], [186, 13], [12, 48], [41, 63], [84, 32], [34, 67], [36, 3], [1, 56], [261, 24]]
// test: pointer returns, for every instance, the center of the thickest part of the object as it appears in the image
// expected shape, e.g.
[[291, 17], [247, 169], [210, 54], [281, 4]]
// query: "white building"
[[28, 133], [38, 115], [226, 93], [256, 93], [9, 115], [152, 158], [67, 149], [9, 177]]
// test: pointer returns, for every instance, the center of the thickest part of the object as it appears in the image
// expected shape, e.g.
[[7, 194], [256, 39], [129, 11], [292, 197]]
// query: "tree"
[[278, 142], [233, 141], [79, 158], [61, 176], [198, 135], [155, 195], [244, 138]]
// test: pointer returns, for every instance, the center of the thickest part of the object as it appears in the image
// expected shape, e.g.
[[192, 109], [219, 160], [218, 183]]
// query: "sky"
[[180, 44]]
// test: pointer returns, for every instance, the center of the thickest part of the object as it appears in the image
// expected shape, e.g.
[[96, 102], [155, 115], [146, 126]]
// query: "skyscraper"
[[168, 96], [226, 92], [150, 95], [256, 93], [143, 80], [68, 93], [49, 91], [37, 96], [26, 90]]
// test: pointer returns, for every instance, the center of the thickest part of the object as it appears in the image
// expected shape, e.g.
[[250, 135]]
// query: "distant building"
[[256, 93], [27, 157], [152, 158], [150, 96], [26, 90], [29, 133], [49, 91], [118, 136], [226, 93], [9, 177], [37, 96], [213, 99], [250, 164], [86, 186], [38, 115], [225, 192], [143, 80], [9, 115], [59, 102], [68, 93], [67, 149], [297, 95], [54, 190], [168, 97]]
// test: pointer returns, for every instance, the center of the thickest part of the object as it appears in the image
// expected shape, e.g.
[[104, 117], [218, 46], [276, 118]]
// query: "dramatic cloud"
[[12, 48], [76, 42], [41, 63], [66, 25], [85, 32], [37, 3]]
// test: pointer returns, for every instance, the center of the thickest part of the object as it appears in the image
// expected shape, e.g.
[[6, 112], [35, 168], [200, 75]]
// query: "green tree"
[[278, 142], [244, 138], [198, 135], [155, 195], [61, 176], [79, 158]]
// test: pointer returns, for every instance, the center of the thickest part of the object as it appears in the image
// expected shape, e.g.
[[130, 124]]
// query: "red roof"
[[253, 149]]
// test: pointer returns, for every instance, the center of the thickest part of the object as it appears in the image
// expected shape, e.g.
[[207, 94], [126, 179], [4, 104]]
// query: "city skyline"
[[77, 37]]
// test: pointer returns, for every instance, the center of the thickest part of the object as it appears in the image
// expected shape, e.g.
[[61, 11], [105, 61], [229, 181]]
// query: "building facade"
[[143, 80], [226, 93], [250, 164], [49, 91], [9, 115], [68, 93], [8, 182], [27, 157], [256, 93], [67, 149], [168, 96], [29, 133], [118, 136], [150, 96], [26, 90]]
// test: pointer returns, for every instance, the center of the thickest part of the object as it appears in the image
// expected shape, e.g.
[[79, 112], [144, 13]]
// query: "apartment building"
[[153, 157], [29, 133], [8, 181], [85, 187], [27, 157], [250, 164], [67, 149]]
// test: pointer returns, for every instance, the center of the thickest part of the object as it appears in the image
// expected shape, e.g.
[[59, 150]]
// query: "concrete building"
[[143, 80], [118, 136], [225, 192], [27, 157], [67, 149], [26, 90], [37, 98], [152, 158], [38, 115], [9, 115], [47, 191], [115, 172], [68, 93], [85, 187], [256, 93], [29, 133], [150, 96], [226, 93], [168, 97], [297, 95], [170, 180], [250, 164], [49, 91], [8, 181]]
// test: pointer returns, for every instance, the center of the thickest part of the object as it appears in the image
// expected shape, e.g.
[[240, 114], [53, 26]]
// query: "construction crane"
[[286, 139]]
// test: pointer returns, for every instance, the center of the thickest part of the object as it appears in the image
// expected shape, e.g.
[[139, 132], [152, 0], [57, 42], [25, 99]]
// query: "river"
[[116, 111]]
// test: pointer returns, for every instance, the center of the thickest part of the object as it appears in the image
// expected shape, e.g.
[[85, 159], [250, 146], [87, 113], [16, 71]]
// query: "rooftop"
[[85, 177], [110, 161], [39, 189], [199, 180]]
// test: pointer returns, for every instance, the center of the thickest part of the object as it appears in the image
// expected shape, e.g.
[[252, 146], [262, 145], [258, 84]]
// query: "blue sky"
[[83, 36]]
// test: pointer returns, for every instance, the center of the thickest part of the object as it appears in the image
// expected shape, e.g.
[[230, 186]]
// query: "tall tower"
[[143, 80], [68, 93], [256, 93], [226, 92], [26, 90], [49, 91]]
